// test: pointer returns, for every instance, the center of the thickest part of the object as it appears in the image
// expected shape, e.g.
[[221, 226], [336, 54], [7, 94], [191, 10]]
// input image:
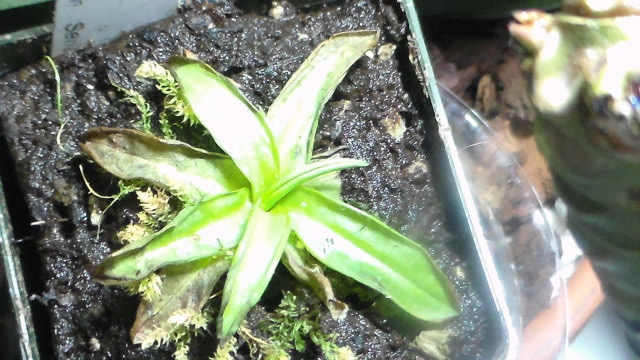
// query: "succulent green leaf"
[[328, 184], [235, 124], [184, 170], [293, 116], [185, 288], [253, 265], [198, 231], [358, 245], [309, 171]]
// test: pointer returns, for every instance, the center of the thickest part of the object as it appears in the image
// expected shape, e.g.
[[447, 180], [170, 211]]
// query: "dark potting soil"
[[378, 113]]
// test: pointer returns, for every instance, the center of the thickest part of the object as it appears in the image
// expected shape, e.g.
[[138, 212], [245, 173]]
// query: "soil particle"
[[92, 321]]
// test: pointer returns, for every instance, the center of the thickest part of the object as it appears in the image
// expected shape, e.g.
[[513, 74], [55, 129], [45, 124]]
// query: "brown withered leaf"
[[173, 165], [185, 289]]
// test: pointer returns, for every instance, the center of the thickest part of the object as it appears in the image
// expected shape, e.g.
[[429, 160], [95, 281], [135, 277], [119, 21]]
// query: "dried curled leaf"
[[308, 271], [185, 289], [178, 167]]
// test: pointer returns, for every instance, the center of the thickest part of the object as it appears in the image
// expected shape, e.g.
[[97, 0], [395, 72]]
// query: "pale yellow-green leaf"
[[238, 127], [254, 262], [293, 116], [205, 229], [360, 246]]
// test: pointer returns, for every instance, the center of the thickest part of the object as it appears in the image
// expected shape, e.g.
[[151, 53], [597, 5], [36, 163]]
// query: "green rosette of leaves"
[[265, 199], [586, 87]]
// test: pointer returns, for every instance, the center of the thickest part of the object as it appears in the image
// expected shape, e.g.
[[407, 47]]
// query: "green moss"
[[293, 325], [143, 106]]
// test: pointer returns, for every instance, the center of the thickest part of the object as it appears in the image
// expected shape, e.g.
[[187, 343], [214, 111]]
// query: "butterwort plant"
[[266, 198]]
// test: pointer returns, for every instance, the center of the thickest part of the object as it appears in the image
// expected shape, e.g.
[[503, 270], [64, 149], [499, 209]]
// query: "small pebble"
[[277, 12], [94, 344], [386, 51], [394, 126], [417, 171]]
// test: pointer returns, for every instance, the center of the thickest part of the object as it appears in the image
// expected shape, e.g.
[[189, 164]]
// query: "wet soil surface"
[[378, 113]]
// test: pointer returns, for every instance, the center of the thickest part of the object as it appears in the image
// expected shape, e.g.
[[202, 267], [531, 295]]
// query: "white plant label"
[[79, 23]]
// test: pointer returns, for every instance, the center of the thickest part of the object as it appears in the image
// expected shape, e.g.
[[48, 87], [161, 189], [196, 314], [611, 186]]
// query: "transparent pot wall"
[[518, 252], [16, 326]]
